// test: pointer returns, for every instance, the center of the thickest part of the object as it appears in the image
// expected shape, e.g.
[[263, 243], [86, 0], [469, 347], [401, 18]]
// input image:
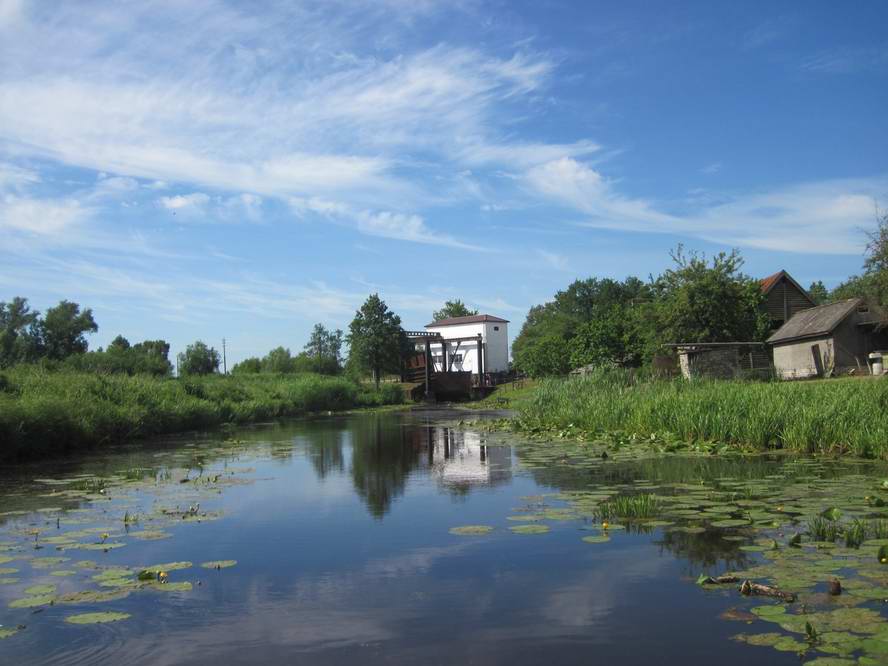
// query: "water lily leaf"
[[169, 566], [32, 602], [47, 562], [8, 581], [601, 538], [40, 590], [530, 529], [150, 535], [730, 522], [768, 611], [468, 530], [883, 555], [97, 618], [833, 513], [219, 564], [6, 632], [183, 586], [5, 571]]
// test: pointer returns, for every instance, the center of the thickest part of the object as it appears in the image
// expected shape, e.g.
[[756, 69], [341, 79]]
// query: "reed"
[[45, 412], [830, 416]]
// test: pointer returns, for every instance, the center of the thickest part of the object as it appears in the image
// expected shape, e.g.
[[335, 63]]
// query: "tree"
[[579, 310], [701, 301], [453, 309], [63, 330], [818, 292], [199, 359], [325, 350], [876, 263], [278, 360], [375, 338], [249, 366], [119, 343], [17, 331]]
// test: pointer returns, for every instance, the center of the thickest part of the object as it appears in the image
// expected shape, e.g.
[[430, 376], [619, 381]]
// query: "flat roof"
[[471, 319]]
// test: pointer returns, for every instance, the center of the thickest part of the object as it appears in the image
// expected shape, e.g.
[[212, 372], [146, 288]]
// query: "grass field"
[[43, 413], [835, 416]]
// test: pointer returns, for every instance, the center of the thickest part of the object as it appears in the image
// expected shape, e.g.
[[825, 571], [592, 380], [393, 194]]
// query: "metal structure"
[[446, 380]]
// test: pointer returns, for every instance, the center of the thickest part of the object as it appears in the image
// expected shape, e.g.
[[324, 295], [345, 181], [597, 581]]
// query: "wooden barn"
[[829, 340], [784, 297]]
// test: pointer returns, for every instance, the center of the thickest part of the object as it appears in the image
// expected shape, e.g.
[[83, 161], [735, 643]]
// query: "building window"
[[457, 358], [496, 328]]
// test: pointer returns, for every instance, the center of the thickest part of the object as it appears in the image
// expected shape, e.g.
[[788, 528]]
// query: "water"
[[340, 529]]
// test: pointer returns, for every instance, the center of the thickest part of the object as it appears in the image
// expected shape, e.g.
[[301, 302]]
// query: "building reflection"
[[460, 461]]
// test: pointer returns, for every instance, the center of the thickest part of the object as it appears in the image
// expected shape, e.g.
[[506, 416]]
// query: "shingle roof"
[[768, 283], [814, 322], [471, 319]]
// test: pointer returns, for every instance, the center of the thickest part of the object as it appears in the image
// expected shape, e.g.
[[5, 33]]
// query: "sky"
[[211, 168]]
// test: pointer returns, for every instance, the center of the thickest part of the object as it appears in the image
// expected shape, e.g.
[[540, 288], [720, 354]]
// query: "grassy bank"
[[835, 416], [42, 412]]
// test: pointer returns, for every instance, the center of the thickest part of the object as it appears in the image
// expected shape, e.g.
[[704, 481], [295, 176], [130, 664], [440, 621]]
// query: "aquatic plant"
[[53, 411], [823, 529], [630, 506], [815, 417]]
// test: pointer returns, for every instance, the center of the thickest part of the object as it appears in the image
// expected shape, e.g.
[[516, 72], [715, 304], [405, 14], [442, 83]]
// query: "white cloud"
[[44, 217], [712, 168], [194, 201], [386, 224]]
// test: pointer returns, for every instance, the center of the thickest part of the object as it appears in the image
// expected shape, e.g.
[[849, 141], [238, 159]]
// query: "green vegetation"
[[44, 412], [453, 309], [835, 416], [322, 355], [509, 395], [376, 341]]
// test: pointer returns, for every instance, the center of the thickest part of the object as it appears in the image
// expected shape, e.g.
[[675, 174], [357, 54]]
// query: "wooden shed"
[[784, 297], [829, 340]]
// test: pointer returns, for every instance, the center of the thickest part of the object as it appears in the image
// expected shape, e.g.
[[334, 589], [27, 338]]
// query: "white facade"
[[464, 354]]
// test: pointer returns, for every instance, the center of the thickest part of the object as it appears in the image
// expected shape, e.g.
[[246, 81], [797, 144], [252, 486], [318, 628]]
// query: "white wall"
[[496, 343]]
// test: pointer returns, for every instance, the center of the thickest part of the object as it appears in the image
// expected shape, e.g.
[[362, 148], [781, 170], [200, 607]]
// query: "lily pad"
[[219, 564], [32, 602], [530, 529], [601, 538], [97, 618], [40, 590], [6, 632], [468, 530]]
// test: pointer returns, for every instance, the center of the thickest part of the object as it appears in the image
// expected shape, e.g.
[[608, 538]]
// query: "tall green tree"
[[602, 313], [63, 330], [452, 309], [375, 338], [324, 347], [199, 359], [876, 262], [278, 360], [708, 301], [17, 331], [818, 292]]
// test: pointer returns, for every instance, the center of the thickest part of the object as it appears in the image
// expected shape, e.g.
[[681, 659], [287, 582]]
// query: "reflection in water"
[[363, 578], [386, 453]]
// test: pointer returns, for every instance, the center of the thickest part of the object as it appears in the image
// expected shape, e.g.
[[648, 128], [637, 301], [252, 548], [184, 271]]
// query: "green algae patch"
[[529, 529], [97, 618], [471, 530], [218, 564]]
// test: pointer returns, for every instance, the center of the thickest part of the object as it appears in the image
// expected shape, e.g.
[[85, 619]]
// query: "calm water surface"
[[340, 529]]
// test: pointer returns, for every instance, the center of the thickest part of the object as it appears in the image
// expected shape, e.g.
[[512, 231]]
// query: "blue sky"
[[208, 169]]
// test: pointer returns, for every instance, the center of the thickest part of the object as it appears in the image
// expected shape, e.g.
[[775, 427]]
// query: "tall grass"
[[43, 412], [834, 416]]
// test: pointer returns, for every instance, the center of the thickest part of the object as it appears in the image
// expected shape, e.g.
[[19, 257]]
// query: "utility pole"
[[224, 359]]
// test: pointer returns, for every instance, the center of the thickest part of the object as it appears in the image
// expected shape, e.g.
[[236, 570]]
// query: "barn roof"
[[772, 281], [471, 319], [814, 322]]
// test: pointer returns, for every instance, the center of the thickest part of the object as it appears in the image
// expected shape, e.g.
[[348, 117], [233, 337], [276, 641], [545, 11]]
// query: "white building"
[[462, 350]]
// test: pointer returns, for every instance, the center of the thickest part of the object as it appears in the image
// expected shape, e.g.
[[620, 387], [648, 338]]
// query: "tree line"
[[626, 323], [377, 345]]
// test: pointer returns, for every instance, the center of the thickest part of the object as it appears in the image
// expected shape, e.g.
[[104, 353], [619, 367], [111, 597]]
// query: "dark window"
[[496, 328]]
